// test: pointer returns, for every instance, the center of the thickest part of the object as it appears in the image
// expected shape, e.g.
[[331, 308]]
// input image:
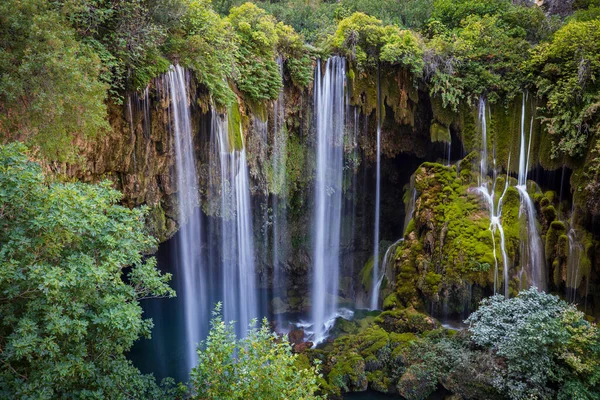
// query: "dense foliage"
[[205, 42], [71, 277], [530, 346], [462, 49], [542, 344], [50, 87], [260, 366], [566, 71], [365, 40]]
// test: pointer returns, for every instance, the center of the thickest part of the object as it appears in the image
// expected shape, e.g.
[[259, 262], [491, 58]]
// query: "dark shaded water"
[[165, 354]]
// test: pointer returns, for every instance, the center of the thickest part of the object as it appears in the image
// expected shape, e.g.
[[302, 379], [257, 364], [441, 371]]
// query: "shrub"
[[542, 343], [72, 273], [260, 366]]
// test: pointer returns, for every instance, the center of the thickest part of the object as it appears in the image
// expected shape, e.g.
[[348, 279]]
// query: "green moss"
[[366, 274], [449, 242], [234, 124], [347, 374], [549, 212], [469, 130], [444, 115], [556, 230], [405, 320], [390, 302], [562, 248], [410, 227], [439, 132], [156, 221]]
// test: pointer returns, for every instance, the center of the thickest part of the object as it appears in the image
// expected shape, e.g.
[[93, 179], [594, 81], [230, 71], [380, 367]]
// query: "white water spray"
[[240, 302], [376, 280], [487, 191], [329, 112], [532, 256], [189, 263]]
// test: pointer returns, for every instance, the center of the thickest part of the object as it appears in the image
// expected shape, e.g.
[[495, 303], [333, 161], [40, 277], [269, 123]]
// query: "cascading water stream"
[[532, 257], [376, 279], [239, 295], [488, 193], [326, 219], [410, 207], [189, 260], [573, 265], [278, 163]]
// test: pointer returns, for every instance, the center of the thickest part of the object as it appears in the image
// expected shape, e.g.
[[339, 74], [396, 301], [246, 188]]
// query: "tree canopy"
[[72, 273]]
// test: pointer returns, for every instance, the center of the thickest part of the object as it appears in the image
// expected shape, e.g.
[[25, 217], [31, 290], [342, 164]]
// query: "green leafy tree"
[[206, 43], [542, 343], [126, 34], [483, 57], [72, 272], [260, 366], [50, 88], [257, 72], [452, 12], [566, 72], [291, 48], [366, 40]]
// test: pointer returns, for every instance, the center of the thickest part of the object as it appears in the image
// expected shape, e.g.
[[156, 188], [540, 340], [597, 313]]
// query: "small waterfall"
[[280, 237], [573, 265], [189, 261], [326, 219], [410, 207], [488, 191], [376, 280], [387, 266], [237, 260], [532, 257], [137, 105]]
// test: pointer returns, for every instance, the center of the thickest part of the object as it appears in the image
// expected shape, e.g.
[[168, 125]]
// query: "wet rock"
[[296, 336], [302, 347]]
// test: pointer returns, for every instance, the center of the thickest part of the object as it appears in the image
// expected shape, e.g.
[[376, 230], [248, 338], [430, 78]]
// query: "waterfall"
[[573, 265], [279, 165], [388, 258], [488, 192], [188, 260], [532, 257], [237, 261], [410, 206], [376, 280], [326, 218]]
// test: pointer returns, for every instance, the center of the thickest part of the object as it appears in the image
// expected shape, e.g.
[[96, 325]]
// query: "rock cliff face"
[[447, 256]]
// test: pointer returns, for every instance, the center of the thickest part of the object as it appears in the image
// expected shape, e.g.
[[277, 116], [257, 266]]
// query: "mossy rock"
[[439, 132], [348, 374], [391, 302], [406, 320], [366, 274], [234, 125]]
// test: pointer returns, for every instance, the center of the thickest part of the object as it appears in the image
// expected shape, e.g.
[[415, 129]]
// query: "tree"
[[72, 272], [566, 71], [260, 366], [366, 40], [542, 343], [257, 72], [50, 88]]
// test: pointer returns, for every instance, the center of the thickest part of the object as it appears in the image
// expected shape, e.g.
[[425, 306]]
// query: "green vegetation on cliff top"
[[461, 50]]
